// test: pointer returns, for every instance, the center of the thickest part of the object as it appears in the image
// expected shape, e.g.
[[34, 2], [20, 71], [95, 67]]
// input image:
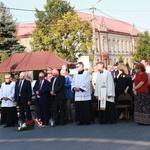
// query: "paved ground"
[[120, 136]]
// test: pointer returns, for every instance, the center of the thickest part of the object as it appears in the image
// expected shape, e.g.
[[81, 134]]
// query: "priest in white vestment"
[[8, 106], [81, 85], [105, 93]]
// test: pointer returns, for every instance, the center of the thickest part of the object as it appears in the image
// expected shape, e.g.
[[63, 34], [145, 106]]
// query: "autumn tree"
[[72, 37], [62, 31], [142, 47], [4, 56], [54, 10], [121, 59]]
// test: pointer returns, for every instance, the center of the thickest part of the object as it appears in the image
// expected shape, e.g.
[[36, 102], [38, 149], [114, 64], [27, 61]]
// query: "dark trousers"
[[43, 112], [9, 115], [59, 110], [108, 115], [24, 107], [83, 111]]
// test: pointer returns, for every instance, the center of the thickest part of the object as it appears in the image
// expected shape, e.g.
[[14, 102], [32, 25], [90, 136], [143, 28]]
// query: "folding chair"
[[124, 103]]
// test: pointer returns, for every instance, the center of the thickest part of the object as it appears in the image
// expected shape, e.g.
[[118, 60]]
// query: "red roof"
[[33, 61], [25, 29], [111, 25]]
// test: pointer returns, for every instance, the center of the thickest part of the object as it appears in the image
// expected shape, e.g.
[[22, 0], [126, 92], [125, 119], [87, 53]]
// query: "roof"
[[110, 25], [25, 29], [32, 61]]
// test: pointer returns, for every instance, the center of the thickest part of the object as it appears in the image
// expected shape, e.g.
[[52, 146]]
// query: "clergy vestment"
[[103, 89], [83, 109], [8, 107]]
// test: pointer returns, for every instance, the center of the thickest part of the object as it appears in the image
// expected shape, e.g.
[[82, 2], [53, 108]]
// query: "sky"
[[136, 12]]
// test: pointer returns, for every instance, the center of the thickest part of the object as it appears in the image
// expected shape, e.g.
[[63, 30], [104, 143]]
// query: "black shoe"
[[6, 126], [62, 123], [1, 123], [9, 125], [109, 122], [87, 123], [56, 123], [143, 124], [79, 123]]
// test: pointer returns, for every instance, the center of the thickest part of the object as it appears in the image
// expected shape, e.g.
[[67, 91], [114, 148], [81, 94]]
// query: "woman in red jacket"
[[142, 98]]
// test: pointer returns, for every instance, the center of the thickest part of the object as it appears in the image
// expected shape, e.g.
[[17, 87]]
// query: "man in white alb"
[[81, 85], [105, 93], [8, 106]]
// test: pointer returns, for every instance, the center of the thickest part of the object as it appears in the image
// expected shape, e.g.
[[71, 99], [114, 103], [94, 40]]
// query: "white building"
[[113, 38]]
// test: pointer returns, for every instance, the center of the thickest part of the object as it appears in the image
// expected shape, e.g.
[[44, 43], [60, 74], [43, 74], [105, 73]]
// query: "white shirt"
[[8, 90], [82, 81], [53, 84]]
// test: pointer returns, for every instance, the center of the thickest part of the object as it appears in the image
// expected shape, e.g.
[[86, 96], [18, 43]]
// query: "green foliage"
[[73, 38], [54, 10], [127, 64], [8, 41], [3, 58], [62, 32], [142, 47], [121, 59]]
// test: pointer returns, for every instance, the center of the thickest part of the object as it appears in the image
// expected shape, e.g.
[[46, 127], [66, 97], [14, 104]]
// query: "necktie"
[[53, 84], [20, 83], [40, 85]]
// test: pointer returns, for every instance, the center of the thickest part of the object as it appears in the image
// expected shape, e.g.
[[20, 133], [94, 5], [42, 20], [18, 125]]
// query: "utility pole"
[[94, 39], [93, 30]]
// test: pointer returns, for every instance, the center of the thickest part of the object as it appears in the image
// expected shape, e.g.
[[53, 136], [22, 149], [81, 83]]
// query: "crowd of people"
[[54, 90]]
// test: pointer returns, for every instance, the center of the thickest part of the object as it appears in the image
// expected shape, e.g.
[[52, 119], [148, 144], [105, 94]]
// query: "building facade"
[[112, 38]]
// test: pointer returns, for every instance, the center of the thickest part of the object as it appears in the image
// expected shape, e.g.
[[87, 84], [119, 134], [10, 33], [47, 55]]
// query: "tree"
[[54, 10], [8, 42], [127, 64], [121, 59], [68, 36], [3, 58], [142, 47], [72, 39]]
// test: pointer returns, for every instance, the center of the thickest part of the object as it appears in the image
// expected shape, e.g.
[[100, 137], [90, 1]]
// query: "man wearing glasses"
[[81, 85], [23, 93], [41, 89], [7, 96]]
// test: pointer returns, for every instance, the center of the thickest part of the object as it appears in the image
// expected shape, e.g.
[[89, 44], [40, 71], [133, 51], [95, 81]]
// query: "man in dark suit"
[[41, 89], [115, 71], [23, 93], [58, 94]]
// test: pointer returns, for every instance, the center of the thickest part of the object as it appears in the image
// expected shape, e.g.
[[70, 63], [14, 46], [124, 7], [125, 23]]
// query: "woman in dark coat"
[[123, 83]]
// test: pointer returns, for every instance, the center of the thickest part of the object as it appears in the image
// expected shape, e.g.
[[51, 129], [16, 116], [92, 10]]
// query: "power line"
[[19, 9], [31, 10], [107, 15], [134, 11], [82, 9], [119, 20]]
